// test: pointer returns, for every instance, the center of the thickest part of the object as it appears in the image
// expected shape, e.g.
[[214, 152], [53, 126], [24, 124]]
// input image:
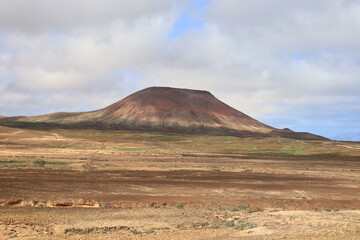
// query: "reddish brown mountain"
[[171, 108], [167, 109]]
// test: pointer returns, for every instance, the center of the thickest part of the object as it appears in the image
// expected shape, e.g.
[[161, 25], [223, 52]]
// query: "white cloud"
[[80, 59], [34, 16], [263, 57]]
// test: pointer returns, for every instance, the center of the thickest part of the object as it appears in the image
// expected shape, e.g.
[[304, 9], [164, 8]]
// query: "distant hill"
[[168, 109], [350, 136]]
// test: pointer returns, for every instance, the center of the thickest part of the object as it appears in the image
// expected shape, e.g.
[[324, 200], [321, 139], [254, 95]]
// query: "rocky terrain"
[[106, 184]]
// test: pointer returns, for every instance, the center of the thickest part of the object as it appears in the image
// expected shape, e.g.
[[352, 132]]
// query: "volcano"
[[168, 110]]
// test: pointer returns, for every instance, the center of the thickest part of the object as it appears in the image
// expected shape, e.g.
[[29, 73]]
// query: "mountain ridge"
[[168, 110]]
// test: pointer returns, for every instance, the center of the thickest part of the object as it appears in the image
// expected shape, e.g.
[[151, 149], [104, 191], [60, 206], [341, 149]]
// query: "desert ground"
[[102, 184]]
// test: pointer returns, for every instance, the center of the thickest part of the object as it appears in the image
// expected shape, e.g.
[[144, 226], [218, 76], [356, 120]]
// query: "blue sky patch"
[[191, 18]]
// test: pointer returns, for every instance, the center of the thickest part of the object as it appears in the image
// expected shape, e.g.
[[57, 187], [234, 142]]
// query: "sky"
[[288, 63]]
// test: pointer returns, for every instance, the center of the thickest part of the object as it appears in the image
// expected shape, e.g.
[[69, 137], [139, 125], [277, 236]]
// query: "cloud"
[[34, 16], [78, 60], [280, 61]]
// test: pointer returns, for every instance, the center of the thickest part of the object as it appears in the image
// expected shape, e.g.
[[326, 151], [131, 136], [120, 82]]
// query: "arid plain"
[[103, 184]]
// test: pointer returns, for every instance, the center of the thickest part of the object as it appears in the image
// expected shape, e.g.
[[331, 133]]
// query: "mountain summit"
[[173, 108], [167, 109]]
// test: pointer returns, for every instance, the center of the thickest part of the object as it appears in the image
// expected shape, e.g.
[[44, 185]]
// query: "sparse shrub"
[[57, 163], [40, 163], [230, 224], [180, 205], [274, 210], [10, 161], [105, 205], [243, 208], [244, 226], [135, 231], [251, 210], [252, 225], [149, 231], [74, 231]]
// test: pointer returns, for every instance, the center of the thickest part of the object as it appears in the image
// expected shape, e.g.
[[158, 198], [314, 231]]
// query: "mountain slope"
[[167, 109], [161, 108], [178, 108]]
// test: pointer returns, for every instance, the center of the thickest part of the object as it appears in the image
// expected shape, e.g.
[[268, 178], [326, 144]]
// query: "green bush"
[[230, 224], [40, 163], [135, 231], [180, 205]]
